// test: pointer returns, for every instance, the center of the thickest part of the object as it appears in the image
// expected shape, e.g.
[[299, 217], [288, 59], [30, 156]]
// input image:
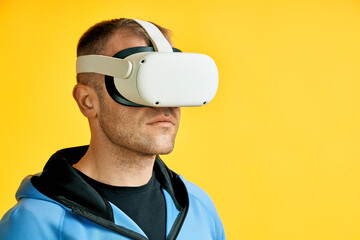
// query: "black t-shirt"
[[145, 205]]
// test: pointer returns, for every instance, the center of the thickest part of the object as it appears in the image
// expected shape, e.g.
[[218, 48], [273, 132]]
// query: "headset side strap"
[[110, 66], [160, 43]]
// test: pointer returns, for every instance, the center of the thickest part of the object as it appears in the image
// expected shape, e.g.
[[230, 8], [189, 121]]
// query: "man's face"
[[145, 130]]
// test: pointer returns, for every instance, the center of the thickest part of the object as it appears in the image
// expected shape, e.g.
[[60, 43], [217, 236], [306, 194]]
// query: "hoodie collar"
[[60, 182]]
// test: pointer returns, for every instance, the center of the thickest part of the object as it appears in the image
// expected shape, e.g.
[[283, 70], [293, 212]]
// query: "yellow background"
[[278, 148]]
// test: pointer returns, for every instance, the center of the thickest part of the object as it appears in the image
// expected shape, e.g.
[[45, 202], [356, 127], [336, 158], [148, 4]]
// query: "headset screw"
[[204, 103], [157, 103], [142, 61]]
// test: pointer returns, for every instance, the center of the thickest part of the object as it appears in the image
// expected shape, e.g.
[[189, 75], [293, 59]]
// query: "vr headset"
[[157, 76]]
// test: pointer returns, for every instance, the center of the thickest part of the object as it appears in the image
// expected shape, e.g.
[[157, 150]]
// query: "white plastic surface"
[[111, 66], [170, 79], [160, 43]]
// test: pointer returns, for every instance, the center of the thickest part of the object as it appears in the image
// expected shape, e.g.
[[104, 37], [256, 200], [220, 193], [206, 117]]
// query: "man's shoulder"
[[198, 195], [30, 209], [36, 208], [202, 214], [32, 218]]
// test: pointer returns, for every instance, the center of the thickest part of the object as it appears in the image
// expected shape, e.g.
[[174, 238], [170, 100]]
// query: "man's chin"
[[165, 152], [160, 145], [162, 150]]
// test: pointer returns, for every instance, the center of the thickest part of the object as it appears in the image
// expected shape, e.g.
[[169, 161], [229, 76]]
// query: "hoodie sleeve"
[[220, 229], [32, 219]]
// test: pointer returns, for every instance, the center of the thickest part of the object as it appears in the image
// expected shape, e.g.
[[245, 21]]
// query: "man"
[[117, 187]]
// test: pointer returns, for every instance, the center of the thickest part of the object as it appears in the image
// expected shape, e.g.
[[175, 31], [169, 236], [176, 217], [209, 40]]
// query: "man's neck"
[[116, 166]]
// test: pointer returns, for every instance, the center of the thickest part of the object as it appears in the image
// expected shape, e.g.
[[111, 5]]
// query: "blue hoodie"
[[59, 204]]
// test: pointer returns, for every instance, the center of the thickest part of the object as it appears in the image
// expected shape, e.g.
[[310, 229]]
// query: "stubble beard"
[[128, 136]]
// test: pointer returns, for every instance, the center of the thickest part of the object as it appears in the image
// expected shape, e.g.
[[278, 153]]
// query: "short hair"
[[96, 37]]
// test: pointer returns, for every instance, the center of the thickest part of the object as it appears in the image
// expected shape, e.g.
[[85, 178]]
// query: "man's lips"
[[162, 121]]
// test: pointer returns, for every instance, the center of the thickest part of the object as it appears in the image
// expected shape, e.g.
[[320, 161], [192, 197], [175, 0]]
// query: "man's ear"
[[87, 100]]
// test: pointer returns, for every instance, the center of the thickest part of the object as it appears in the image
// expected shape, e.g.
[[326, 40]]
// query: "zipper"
[[175, 230], [109, 225]]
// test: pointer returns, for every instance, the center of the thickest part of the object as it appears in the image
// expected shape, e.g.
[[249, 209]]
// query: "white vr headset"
[[157, 76]]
